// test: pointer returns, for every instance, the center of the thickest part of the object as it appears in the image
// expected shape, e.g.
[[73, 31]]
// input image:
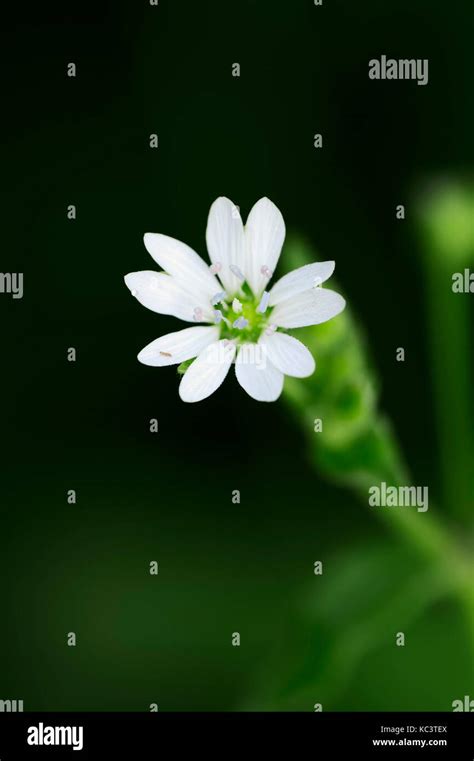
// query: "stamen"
[[262, 307], [217, 316], [218, 297], [215, 268], [240, 323], [237, 272], [271, 330], [236, 305], [266, 271], [197, 314]]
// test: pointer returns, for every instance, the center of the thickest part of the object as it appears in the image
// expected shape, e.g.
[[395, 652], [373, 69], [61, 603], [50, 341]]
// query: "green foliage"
[[367, 593], [181, 369], [446, 215]]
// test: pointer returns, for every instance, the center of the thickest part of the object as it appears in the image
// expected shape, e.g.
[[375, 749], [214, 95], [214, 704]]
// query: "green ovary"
[[257, 321]]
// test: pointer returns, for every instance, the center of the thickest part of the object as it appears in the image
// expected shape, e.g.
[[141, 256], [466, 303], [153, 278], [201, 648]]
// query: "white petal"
[[174, 348], [161, 293], [183, 263], [288, 355], [264, 236], [225, 241], [308, 308], [300, 280], [256, 374], [207, 372]]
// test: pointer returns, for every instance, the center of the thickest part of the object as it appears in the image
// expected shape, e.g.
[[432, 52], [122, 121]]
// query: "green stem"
[[448, 319]]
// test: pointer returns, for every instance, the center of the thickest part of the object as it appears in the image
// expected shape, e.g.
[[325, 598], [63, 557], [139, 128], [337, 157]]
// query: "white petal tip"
[[130, 281], [188, 399]]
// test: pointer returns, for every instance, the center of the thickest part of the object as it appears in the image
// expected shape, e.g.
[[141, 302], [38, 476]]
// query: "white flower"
[[243, 318]]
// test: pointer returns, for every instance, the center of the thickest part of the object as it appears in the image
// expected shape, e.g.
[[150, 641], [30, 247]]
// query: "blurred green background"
[[223, 568]]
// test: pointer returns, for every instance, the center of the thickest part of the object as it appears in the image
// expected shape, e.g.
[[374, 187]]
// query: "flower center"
[[242, 318]]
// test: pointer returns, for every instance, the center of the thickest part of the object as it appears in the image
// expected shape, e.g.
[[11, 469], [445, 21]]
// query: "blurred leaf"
[[365, 593], [356, 607], [446, 213]]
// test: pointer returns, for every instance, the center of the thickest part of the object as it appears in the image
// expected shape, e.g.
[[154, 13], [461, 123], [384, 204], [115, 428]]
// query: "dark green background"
[[84, 426]]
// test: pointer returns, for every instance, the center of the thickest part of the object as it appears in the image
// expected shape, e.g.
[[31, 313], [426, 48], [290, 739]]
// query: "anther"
[[237, 272], [240, 323], [262, 307], [218, 297]]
